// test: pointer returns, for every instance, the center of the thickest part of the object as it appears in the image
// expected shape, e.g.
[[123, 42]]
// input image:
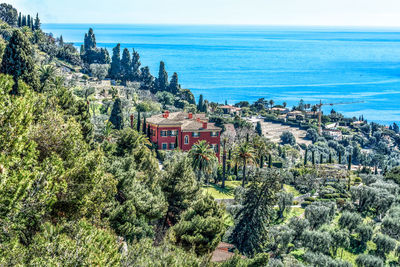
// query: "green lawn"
[[222, 193], [291, 189]]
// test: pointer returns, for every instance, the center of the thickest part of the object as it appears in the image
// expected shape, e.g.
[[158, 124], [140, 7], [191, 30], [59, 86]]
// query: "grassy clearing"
[[291, 189], [222, 193]]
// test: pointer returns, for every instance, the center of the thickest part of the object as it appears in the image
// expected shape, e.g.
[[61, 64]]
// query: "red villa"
[[186, 128]]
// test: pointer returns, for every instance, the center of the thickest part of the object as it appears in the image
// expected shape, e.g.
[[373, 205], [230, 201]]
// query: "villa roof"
[[187, 121]]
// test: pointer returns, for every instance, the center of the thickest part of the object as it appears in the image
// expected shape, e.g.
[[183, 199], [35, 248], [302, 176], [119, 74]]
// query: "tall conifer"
[[174, 84], [37, 22], [126, 63], [116, 62], [135, 66], [117, 118], [18, 61], [162, 81]]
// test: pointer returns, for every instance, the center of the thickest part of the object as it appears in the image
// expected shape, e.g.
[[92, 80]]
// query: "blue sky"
[[246, 12]]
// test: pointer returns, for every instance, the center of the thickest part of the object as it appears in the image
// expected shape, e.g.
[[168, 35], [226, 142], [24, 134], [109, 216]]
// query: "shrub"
[[305, 204], [366, 260], [310, 199]]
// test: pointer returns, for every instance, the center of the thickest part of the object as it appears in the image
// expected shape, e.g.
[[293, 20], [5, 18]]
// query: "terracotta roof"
[[222, 253], [182, 119]]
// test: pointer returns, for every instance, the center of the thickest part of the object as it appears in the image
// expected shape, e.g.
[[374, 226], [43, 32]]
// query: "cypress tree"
[[61, 41], [247, 137], [236, 171], [229, 161], [313, 158], [90, 40], [305, 157], [32, 24], [116, 117], [28, 21], [19, 19], [162, 81], [340, 158], [177, 140], [262, 161], [174, 84], [349, 163], [148, 131], [259, 128], [18, 61], [37, 22], [135, 68], [144, 125], [126, 64], [200, 106], [24, 21], [270, 161], [321, 159], [330, 158], [116, 62], [138, 122]]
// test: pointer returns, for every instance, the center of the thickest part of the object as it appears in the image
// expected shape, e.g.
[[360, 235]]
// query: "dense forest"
[[82, 185]]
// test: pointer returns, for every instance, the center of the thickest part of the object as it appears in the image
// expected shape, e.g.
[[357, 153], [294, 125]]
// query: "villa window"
[[214, 134], [172, 146], [186, 139], [164, 146], [215, 147], [163, 133], [196, 134]]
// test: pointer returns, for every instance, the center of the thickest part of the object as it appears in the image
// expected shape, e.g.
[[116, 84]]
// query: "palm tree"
[[245, 155], [46, 74], [271, 103], [261, 148], [203, 159]]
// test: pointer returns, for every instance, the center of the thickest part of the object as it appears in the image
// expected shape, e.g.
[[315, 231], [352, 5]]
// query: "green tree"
[[384, 245], [259, 128], [317, 241], [367, 260], [179, 186], [256, 212], [126, 66], [46, 76], [203, 159], [37, 23], [244, 154], [285, 201], [135, 66], [117, 117], [115, 69], [8, 14], [162, 80], [18, 62], [201, 226], [174, 86], [147, 80], [200, 106], [288, 138]]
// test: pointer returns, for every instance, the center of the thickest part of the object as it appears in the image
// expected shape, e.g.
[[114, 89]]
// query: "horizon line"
[[235, 25]]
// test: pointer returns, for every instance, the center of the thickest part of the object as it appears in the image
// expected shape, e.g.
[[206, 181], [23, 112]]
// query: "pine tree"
[[8, 14], [117, 118], [174, 84], [37, 22], [18, 61], [126, 63], [162, 81], [135, 66], [115, 69]]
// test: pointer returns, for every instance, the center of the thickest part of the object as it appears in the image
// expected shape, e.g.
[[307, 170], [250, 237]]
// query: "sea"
[[334, 65]]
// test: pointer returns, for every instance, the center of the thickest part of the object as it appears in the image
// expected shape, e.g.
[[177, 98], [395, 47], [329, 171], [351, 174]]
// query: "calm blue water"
[[238, 63]]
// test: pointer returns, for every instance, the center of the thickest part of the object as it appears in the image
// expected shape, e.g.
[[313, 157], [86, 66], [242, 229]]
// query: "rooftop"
[[187, 121]]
